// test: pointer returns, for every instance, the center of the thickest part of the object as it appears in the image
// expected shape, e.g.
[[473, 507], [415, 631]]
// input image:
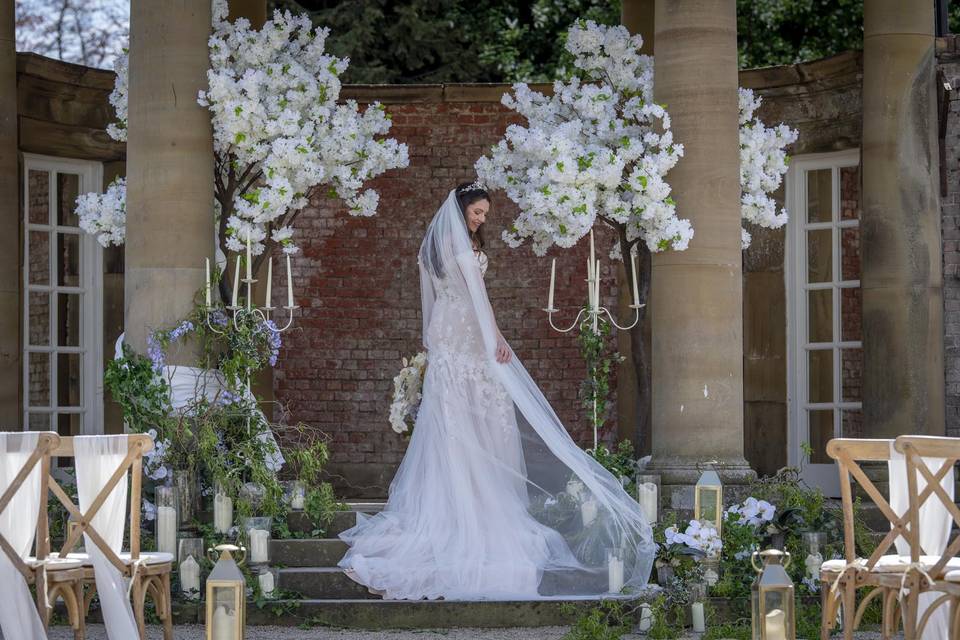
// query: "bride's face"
[[477, 214]]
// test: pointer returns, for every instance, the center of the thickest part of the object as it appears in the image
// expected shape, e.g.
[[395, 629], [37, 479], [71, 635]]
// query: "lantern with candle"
[[708, 500], [648, 495], [222, 509], [190, 552], [772, 597], [166, 521], [698, 596], [226, 595]]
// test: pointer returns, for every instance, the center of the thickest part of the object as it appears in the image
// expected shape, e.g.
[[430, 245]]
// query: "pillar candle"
[[596, 284], [167, 530], [699, 620], [297, 498], [266, 583], [224, 624], [636, 289], [206, 283], [648, 499], [190, 578], [553, 280], [269, 282], [588, 511], [249, 259], [812, 564], [646, 618], [236, 283], [776, 625], [614, 574], [259, 545], [222, 513], [289, 284]]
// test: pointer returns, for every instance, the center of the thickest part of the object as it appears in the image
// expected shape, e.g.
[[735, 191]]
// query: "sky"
[[88, 32]]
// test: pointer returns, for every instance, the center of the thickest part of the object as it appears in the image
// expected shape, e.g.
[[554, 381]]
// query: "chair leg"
[[888, 624], [829, 602], [167, 607], [139, 599], [954, 618], [42, 591], [849, 607], [909, 608]]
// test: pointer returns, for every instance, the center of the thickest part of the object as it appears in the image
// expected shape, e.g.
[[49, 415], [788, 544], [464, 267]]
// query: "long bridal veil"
[[595, 535]]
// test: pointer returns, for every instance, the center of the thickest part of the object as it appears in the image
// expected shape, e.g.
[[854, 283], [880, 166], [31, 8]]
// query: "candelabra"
[[594, 312]]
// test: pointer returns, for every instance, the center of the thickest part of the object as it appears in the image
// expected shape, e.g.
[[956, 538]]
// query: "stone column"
[[901, 279], [11, 367], [638, 17], [169, 166], [696, 295], [253, 10]]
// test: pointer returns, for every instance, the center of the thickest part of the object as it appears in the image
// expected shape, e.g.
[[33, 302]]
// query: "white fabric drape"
[[480, 506], [935, 525], [97, 458], [18, 525]]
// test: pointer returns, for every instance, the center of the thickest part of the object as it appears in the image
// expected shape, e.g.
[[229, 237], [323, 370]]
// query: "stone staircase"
[[329, 598]]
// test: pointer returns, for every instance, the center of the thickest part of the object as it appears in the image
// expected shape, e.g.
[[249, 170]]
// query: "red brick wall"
[[358, 284], [851, 318]]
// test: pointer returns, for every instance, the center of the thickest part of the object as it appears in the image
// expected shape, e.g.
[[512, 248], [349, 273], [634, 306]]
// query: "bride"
[[493, 499]]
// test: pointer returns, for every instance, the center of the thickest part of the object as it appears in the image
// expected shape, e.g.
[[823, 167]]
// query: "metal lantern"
[[226, 595], [774, 617], [708, 500]]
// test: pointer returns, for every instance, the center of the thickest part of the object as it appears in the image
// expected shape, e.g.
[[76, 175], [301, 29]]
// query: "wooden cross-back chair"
[[148, 572], [944, 569], [53, 578], [883, 572]]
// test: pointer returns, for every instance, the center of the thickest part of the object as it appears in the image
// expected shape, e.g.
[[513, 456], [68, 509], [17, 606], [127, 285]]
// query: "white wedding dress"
[[493, 499]]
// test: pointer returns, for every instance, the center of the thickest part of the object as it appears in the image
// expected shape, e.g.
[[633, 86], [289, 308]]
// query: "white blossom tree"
[[279, 133]]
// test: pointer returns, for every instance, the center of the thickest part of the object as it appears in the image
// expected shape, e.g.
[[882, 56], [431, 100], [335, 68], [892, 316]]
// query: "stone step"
[[327, 583], [342, 520], [424, 614], [294, 552]]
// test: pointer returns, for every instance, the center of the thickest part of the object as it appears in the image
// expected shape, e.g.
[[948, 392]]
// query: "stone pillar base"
[[678, 475]]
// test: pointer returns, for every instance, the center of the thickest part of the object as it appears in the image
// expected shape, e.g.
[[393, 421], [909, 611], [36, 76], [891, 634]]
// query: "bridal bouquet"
[[407, 393]]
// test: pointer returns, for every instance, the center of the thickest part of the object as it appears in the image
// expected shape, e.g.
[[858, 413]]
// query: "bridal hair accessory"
[[476, 185]]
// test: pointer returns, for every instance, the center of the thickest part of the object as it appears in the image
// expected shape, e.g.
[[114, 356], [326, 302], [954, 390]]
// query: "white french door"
[[62, 301], [825, 354]]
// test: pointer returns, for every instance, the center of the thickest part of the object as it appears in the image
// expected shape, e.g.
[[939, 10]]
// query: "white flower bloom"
[[407, 387], [104, 215]]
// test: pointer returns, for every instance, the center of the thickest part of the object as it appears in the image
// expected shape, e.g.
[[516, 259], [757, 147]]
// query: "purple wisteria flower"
[[219, 318], [274, 342], [155, 352], [227, 398], [181, 330]]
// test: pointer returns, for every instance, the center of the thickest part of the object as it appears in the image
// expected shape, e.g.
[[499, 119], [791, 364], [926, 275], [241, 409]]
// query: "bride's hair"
[[467, 194]]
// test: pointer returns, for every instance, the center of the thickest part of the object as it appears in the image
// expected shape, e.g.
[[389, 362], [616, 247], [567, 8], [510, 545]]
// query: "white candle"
[[648, 499], [553, 280], [812, 563], [259, 545], [297, 499], [289, 284], [646, 618], [588, 512], [249, 259], [593, 256], [206, 283], [266, 583], [224, 624], [699, 620], [269, 282], [236, 283], [167, 530], [614, 574], [222, 513], [775, 625], [596, 283], [589, 283], [636, 290], [190, 578]]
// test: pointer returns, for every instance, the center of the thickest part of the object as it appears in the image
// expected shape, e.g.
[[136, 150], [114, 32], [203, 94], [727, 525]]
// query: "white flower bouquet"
[[407, 393]]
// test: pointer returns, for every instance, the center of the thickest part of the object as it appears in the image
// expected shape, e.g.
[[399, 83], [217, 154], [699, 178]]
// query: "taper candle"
[[593, 256], [236, 283], [553, 280], [206, 283], [636, 290], [596, 291], [289, 284], [269, 283], [249, 259]]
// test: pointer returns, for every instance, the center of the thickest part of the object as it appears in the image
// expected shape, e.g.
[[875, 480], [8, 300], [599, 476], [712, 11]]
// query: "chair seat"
[[891, 564], [151, 557], [54, 563], [952, 576]]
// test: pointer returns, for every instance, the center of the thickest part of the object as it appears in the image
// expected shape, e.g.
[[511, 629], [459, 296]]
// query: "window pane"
[[821, 375], [69, 424], [68, 259], [820, 255], [68, 379], [851, 316], [850, 254], [820, 314], [38, 312], [850, 193], [39, 422], [851, 372], [38, 185], [851, 425], [38, 379], [821, 432], [39, 268], [819, 195], [68, 188], [68, 318]]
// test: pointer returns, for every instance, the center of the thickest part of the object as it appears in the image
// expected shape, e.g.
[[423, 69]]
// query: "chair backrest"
[[46, 443], [137, 445], [849, 454], [915, 449]]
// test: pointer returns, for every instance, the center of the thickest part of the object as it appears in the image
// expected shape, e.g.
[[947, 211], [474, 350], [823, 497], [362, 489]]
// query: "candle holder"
[[257, 532], [190, 554], [648, 496], [593, 311], [166, 520]]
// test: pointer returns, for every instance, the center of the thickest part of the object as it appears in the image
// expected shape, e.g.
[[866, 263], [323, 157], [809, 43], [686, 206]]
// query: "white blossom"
[[104, 215], [753, 512], [407, 392], [698, 535], [118, 97]]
